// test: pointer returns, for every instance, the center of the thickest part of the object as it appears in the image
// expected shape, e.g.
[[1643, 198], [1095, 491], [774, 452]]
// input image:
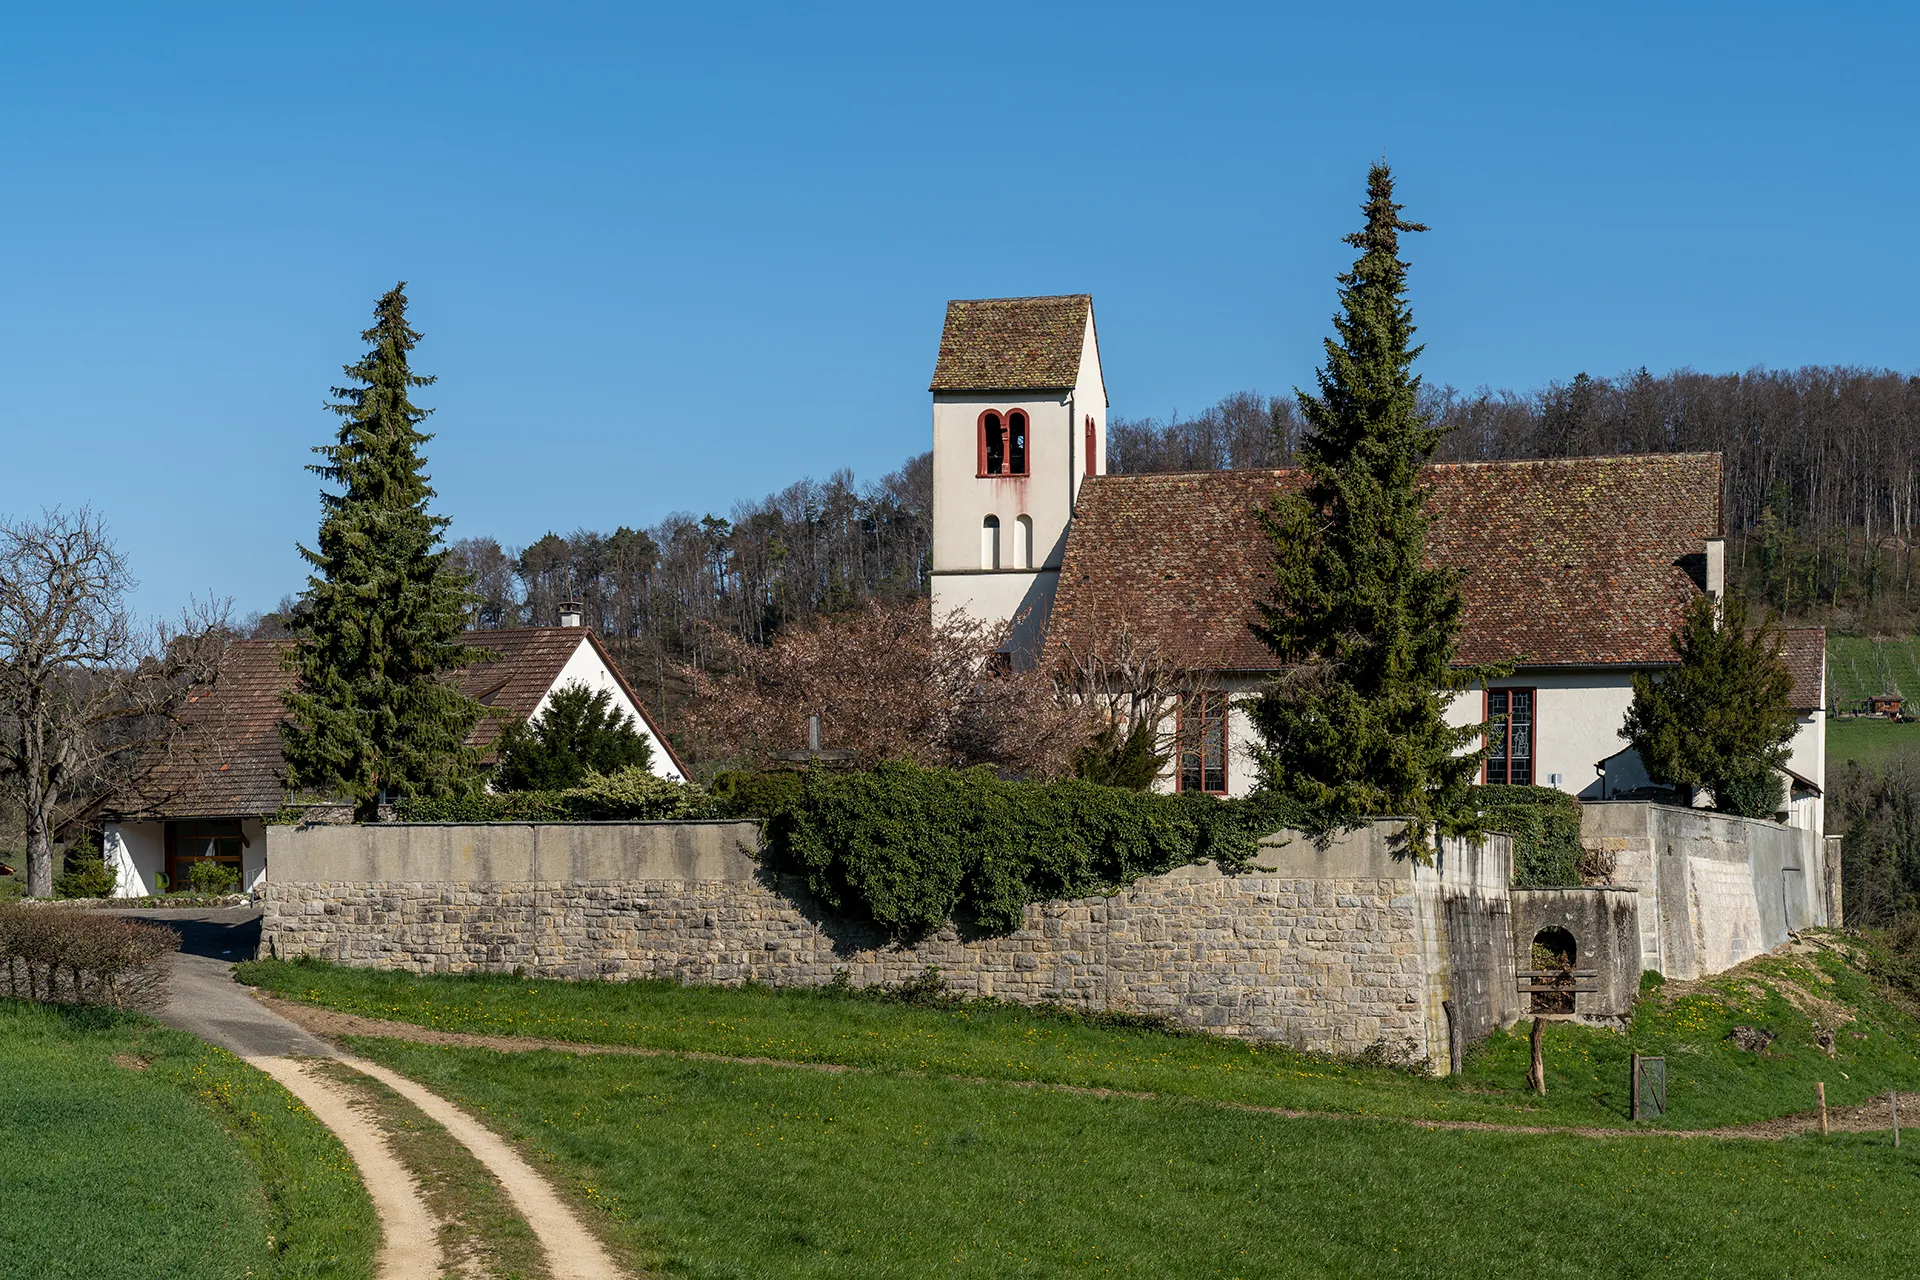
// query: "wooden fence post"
[[1537, 1071], [1893, 1109], [1820, 1096]]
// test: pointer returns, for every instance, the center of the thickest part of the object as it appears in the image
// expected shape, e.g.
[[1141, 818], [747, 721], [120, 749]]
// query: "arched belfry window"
[[1003, 443], [990, 543], [1093, 445]]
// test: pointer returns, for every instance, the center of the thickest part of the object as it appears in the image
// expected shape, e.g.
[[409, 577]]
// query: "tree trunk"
[[40, 804]]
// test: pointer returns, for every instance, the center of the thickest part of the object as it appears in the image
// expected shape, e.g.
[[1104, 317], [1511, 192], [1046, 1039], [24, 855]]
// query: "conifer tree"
[[580, 732], [379, 626], [1721, 719], [1356, 727]]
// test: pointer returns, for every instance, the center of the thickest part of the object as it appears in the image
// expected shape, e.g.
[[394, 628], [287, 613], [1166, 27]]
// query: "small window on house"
[[1003, 444], [990, 543], [1203, 742], [1093, 444], [1023, 542], [1510, 736]]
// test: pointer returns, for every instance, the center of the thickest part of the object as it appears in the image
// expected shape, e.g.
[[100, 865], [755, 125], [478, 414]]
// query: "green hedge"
[[911, 848], [1545, 826], [632, 795]]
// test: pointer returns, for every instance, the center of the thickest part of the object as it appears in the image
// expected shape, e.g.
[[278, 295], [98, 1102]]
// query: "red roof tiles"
[[1012, 344], [227, 760], [1565, 562]]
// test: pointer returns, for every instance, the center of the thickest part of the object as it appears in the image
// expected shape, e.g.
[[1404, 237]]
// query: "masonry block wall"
[[1338, 950]]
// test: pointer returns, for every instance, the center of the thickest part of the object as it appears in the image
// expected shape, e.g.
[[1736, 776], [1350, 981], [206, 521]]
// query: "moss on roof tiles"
[[1012, 344]]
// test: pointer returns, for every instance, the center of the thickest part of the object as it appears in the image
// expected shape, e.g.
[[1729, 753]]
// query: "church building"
[[1577, 571]]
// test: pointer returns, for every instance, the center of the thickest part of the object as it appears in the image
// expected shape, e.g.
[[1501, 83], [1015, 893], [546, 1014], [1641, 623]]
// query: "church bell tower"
[[1019, 420]]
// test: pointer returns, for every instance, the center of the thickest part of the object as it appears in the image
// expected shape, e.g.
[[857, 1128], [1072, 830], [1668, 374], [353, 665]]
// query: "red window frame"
[[1502, 770], [1201, 754], [997, 434], [1092, 444]]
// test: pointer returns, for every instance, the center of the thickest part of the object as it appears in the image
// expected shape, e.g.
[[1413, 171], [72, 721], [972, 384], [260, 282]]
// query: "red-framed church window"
[[1003, 443], [1202, 735], [1092, 444], [1510, 726]]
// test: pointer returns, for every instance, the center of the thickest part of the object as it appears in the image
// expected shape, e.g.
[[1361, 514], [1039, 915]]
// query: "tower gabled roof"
[[1012, 344]]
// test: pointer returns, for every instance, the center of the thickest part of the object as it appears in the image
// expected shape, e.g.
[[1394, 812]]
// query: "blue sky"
[[670, 257]]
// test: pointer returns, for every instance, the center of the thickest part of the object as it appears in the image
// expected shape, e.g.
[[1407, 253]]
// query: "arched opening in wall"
[[1554, 951], [990, 543], [1016, 443], [993, 444], [1023, 542], [1093, 445]]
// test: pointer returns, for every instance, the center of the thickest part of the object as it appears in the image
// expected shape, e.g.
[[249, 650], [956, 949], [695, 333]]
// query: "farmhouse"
[[209, 798], [1575, 571]]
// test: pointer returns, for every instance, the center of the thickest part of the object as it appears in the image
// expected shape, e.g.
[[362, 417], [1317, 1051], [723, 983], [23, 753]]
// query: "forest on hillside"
[[1822, 472]]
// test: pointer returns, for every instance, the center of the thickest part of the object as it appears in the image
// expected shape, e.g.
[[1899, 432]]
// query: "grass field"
[[131, 1150], [711, 1170], [1714, 1082], [1873, 743]]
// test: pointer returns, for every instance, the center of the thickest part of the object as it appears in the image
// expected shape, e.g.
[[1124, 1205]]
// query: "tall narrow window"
[[1023, 542], [1003, 444], [1203, 742], [1092, 446], [1510, 736], [990, 543]]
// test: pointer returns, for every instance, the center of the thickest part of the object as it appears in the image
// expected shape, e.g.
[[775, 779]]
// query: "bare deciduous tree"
[[889, 684], [84, 690]]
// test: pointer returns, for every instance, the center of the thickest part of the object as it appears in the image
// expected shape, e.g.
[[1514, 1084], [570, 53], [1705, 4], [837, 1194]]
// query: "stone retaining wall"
[[1341, 950]]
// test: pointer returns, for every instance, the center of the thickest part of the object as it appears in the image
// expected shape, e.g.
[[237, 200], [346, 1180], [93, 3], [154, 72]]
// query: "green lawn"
[[710, 1169], [1712, 1081], [1873, 743], [174, 1160]]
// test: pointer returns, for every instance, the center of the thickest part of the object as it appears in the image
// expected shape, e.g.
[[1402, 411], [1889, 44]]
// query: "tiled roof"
[[227, 760], [1804, 650], [1564, 562], [1012, 344]]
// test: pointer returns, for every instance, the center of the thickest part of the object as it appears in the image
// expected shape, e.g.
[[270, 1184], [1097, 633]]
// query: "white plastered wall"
[[137, 852], [586, 667]]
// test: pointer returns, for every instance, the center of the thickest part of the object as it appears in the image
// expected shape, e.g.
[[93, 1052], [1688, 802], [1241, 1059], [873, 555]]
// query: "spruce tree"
[[1721, 719], [1356, 727], [379, 628], [580, 732]]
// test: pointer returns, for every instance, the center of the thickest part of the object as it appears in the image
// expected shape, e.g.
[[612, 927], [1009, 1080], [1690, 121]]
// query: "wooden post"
[[1455, 1038], [1633, 1083], [1893, 1109], [1537, 1072], [1820, 1096]]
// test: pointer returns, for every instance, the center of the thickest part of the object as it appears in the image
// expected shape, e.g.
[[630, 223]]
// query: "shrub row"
[[1545, 825], [912, 848], [60, 955], [631, 795]]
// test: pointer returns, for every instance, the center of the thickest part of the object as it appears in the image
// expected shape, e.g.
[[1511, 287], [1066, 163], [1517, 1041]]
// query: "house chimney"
[[1716, 583], [570, 613]]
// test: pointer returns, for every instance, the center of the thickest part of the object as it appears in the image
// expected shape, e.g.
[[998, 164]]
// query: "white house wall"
[[585, 667], [137, 852]]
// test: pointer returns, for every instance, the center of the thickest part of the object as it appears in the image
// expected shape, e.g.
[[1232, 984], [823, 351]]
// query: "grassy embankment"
[[131, 1150], [929, 1157]]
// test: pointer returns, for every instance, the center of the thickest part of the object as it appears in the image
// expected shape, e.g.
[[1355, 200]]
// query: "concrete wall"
[[1339, 950], [1713, 889], [1605, 924]]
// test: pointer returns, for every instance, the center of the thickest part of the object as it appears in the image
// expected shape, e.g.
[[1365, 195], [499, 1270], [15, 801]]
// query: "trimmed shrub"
[[85, 873], [911, 848], [1545, 826], [755, 795], [66, 956], [631, 795], [212, 879]]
